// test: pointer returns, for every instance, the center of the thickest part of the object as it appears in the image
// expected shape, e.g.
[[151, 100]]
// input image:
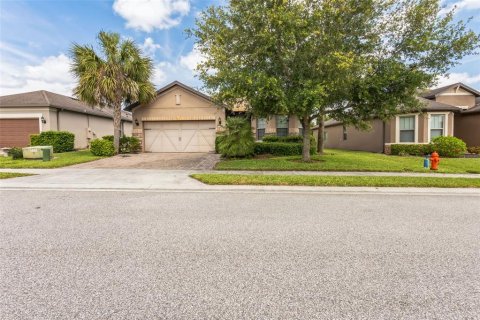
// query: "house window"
[[345, 133], [261, 125], [437, 125], [407, 128], [282, 126]]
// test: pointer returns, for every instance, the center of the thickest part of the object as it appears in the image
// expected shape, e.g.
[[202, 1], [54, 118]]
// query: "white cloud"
[[461, 5], [149, 47], [52, 74], [472, 80], [192, 59], [160, 73], [147, 15]]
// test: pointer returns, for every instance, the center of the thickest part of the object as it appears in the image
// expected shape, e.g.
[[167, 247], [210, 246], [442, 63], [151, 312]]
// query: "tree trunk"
[[306, 139], [321, 134], [117, 120]]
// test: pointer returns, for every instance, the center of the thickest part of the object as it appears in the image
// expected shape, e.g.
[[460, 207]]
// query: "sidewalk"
[[142, 180]]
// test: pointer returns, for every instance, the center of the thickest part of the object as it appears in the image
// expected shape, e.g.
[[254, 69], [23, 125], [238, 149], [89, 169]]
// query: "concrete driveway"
[[169, 161]]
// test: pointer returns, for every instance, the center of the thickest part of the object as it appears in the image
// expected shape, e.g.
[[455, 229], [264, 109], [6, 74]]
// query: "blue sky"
[[35, 37]]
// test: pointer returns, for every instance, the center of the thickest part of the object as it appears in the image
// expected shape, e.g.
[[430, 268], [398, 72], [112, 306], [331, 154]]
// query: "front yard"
[[59, 160], [342, 160]]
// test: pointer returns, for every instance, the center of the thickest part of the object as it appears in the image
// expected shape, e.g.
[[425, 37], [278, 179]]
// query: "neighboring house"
[[27, 113], [180, 119], [452, 110]]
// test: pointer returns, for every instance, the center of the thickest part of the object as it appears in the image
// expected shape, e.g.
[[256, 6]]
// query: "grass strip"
[[59, 160], [339, 181], [8, 175]]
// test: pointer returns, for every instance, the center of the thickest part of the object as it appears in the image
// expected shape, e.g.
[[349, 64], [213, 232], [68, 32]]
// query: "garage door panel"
[[180, 136], [16, 132]]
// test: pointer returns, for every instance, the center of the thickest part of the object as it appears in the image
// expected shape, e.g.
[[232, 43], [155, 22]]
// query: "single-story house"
[[28, 113], [453, 110], [180, 119]]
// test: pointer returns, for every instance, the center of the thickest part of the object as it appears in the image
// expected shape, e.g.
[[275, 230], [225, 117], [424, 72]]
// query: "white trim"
[[445, 125], [454, 94], [397, 128], [24, 116]]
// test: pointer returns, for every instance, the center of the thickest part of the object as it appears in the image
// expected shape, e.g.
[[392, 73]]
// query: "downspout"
[[383, 136], [58, 119]]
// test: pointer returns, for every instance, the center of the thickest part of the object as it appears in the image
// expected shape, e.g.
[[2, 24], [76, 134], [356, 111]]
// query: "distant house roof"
[[168, 87], [44, 98], [432, 93]]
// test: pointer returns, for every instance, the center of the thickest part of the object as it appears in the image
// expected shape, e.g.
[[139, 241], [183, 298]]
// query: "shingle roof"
[[432, 93], [474, 109], [44, 98], [432, 105], [168, 87]]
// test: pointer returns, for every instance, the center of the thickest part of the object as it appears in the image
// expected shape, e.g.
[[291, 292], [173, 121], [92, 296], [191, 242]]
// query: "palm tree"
[[118, 76]]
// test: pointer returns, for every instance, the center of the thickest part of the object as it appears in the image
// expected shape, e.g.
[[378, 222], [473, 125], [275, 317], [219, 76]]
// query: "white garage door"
[[179, 136]]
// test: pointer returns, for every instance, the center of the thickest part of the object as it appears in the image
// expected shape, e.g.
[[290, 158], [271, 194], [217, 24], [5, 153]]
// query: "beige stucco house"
[[180, 119], [452, 110], [33, 112]]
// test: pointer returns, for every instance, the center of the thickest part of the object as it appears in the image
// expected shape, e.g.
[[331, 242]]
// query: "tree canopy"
[[353, 60]]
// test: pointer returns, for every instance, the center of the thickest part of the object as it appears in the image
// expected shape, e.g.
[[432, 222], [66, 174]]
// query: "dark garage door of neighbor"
[[16, 132]]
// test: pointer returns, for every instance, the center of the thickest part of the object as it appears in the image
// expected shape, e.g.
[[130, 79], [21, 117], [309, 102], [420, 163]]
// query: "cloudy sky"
[[35, 37]]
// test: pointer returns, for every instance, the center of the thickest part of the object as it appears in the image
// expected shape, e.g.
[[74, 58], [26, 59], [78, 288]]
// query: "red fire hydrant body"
[[434, 161]]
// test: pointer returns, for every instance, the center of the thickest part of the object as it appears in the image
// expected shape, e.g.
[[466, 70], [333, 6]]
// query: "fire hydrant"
[[434, 161]]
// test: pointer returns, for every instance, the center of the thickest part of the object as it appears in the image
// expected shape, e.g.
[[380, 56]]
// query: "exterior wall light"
[[219, 121], [136, 122], [43, 120]]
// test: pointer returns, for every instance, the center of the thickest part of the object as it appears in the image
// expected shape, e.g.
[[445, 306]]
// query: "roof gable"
[[170, 86], [432, 93]]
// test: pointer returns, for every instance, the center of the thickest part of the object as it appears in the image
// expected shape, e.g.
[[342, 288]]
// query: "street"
[[238, 255]]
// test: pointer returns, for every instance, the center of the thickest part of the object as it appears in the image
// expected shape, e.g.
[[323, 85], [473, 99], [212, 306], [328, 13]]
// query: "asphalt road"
[[210, 255]]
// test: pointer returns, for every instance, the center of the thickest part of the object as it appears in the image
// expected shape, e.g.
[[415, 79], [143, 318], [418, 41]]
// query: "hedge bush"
[[451, 147], [61, 141], [15, 153], [102, 147], [280, 148], [287, 139], [127, 144], [473, 149], [411, 149]]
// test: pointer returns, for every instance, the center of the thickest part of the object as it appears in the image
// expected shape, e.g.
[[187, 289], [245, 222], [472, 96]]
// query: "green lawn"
[[59, 160], [342, 160], [8, 175], [342, 181]]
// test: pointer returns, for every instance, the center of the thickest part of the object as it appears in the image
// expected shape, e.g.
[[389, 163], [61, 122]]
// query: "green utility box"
[[46, 154]]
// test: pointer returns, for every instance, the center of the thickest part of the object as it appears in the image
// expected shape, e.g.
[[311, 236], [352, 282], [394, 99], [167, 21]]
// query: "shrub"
[[238, 140], [473, 149], [410, 149], [15, 153], [61, 141], [129, 144], [218, 139], [288, 139], [449, 146], [108, 137], [102, 147], [280, 148]]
